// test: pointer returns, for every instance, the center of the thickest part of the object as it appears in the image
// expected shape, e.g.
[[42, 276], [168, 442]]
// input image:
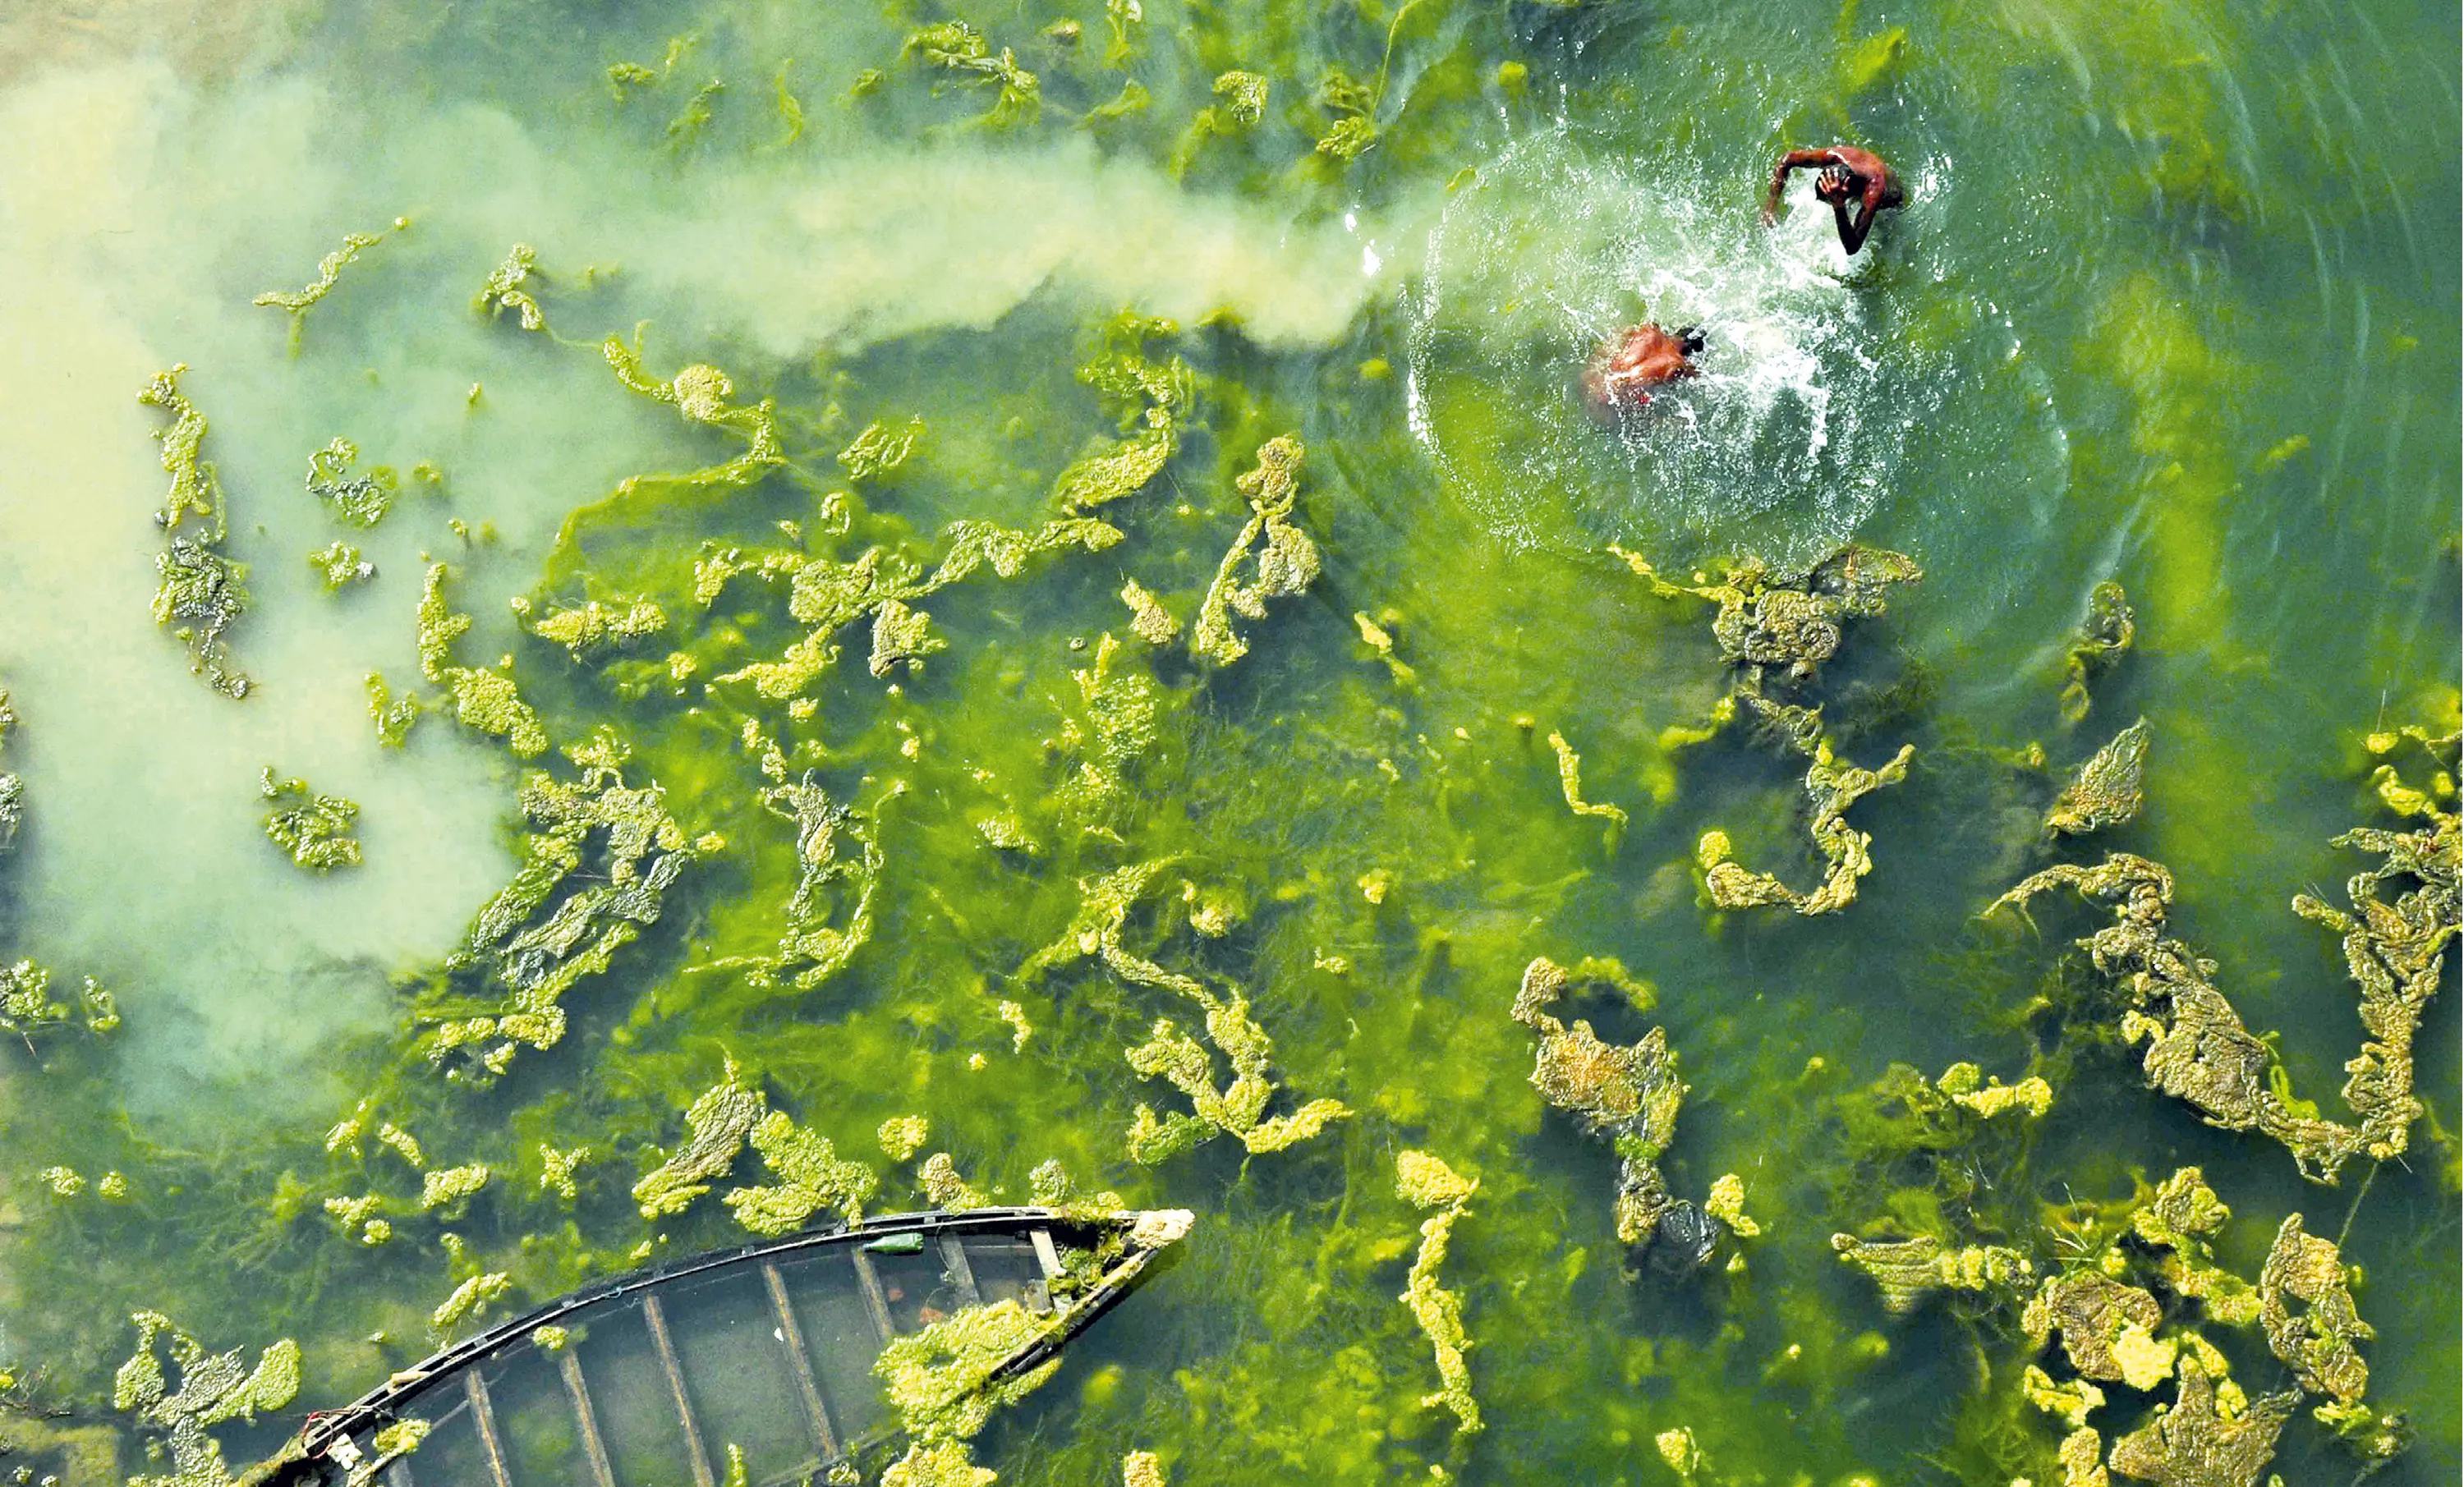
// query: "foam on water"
[[1787, 440]]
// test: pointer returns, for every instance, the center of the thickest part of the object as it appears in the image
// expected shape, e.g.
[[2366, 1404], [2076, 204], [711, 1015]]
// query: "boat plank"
[[876, 1301], [799, 1362], [593, 1448], [484, 1417], [698, 1455]]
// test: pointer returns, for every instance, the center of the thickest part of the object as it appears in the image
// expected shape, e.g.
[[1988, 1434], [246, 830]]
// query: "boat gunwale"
[[327, 1427]]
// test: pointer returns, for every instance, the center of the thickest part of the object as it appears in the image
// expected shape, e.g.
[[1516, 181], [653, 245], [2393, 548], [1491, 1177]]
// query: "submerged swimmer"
[[1848, 175], [1643, 357]]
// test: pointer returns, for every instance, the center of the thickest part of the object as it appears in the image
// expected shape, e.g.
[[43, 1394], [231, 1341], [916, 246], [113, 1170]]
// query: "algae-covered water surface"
[[626, 625]]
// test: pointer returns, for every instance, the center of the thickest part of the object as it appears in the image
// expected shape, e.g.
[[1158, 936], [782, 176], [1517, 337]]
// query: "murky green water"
[[2171, 303]]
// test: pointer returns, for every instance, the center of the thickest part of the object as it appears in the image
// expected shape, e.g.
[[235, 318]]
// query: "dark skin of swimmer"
[[1849, 177], [1645, 356]]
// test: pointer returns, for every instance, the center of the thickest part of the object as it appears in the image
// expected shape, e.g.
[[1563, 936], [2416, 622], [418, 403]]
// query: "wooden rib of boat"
[[647, 1379]]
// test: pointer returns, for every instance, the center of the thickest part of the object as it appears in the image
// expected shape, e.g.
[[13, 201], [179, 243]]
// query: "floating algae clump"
[[829, 594], [636, 849], [813, 946], [944, 1381], [900, 634], [1832, 785], [200, 592], [485, 700], [1423, 1181], [473, 1296], [716, 1128], [314, 829], [2107, 1328], [1147, 396], [359, 500], [213, 1388], [1778, 629], [507, 289], [1793, 623], [902, 1136], [2178, 1220], [596, 625], [961, 49], [1149, 620], [1908, 1271], [2196, 1442], [812, 1176], [2198, 1049], [394, 716], [1237, 1110], [338, 565], [2102, 636], [1570, 779], [1629, 1095], [2108, 788], [329, 271], [2316, 1340], [880, 449], [27, 1007], [13, 790], [2210, 1434], [1286, 563]]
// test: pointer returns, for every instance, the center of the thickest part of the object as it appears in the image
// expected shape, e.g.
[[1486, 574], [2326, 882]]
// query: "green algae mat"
[[627, 626]]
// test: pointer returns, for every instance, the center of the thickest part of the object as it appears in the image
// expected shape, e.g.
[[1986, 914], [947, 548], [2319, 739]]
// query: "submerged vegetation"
[[1209, 764]]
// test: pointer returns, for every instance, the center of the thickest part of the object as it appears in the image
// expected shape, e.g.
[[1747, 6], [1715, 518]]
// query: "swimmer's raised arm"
[[1793, 160], [1853, 229]]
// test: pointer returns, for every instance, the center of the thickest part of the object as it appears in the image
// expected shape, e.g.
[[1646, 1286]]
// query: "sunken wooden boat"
[[650, 1379]]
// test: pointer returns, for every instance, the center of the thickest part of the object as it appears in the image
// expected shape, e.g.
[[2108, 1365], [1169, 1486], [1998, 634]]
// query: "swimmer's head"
[[1692, 339]]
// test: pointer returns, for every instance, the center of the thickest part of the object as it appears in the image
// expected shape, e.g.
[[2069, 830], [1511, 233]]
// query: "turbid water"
[[2171, 304]]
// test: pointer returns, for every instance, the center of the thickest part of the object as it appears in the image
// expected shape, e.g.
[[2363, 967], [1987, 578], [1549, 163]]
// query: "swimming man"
[[1643, 357], [1848, 175]]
